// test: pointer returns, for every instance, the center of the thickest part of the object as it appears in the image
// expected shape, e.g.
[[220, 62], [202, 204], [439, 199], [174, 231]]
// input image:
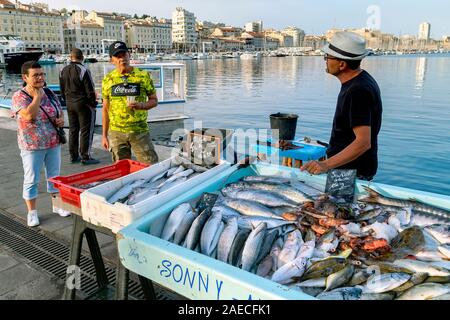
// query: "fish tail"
[[373, 195]]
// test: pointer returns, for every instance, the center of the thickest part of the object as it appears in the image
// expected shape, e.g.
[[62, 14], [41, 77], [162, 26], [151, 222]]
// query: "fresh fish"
[[424, 291], [382, 231], [250, 208], [386, 267], [280, 189], [369, 214], [376, 197], [339, 278], [265, 266], [346, 293], [419, 266], [408, 242], [160, 176], [290, 248], [359, 278], [237, 246], [226, 211], [441, 264], [250, 222], [324, 268], [141, 196], [193, 236], [309, 235], [174, 221], [125, 191], [440, 231], [208, 236], [274, 253], [185, 225], [438, 279], [426, 255], [311, 291], [295, 268], [175, 170], [226, 239], [385, 282], [445, 250], [269, 179], [177, 160], [252, 246], [167, 185], [182, 174], [442, 297], [267, 244], [306, 189], [377, 296], [416, 278], [318, 283], [263, 197], [328, 242]]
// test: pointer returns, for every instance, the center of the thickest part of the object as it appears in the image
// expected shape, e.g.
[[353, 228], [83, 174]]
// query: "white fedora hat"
[[347, 46]]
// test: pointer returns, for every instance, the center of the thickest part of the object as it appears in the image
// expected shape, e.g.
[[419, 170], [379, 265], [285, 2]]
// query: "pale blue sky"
[[314, 16]]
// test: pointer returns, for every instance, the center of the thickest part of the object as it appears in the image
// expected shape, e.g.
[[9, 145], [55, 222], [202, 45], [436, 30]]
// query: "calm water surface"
[[414, 142]]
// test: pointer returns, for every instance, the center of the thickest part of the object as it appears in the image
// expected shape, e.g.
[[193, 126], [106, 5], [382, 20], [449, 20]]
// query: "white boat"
[[250, 55], [13, 53], [169, 80]]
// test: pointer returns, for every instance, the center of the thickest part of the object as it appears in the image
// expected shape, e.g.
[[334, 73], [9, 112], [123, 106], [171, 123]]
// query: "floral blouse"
[[37, 134]]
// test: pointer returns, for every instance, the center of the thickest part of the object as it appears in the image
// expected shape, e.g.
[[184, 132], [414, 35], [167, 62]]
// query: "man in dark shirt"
[[77, 89], [357, 120]]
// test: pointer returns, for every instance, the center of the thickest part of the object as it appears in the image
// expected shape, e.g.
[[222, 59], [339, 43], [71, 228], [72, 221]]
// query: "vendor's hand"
[[315, 167], [35, 92], [105, 142], [59, 122]]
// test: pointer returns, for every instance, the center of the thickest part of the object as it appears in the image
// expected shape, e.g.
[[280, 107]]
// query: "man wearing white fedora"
[[357, 119]]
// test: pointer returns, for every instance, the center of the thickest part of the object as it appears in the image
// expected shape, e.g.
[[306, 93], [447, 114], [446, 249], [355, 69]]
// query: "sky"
[[399, 17]]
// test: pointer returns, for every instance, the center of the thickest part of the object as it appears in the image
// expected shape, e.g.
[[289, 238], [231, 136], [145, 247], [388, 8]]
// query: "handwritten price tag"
[[341, 184]]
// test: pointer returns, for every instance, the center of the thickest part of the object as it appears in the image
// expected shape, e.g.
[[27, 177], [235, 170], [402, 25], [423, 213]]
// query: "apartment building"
[[113, 25], [86, 35], [184, 35], [297, 35], [148, 35]]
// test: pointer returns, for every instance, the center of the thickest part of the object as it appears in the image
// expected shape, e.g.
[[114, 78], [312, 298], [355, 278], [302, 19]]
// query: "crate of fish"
[[269, 232], [117, 203], [70, 187]]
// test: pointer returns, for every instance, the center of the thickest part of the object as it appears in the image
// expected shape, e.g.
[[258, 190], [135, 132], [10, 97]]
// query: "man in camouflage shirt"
[[127, 94]]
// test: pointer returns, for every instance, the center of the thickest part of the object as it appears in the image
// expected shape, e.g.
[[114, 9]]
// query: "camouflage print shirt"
[[115, 88]]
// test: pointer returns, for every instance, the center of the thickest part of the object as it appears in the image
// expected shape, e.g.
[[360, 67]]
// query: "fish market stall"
[[115, 204], [268, 232]]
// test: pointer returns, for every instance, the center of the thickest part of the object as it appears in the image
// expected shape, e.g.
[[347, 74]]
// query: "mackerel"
[[226, 239], [252, 246], [185, 225], [125, 191], [236, 246], [267, 198], [193, 236], [250, 208], [209, 232], [174, 221]]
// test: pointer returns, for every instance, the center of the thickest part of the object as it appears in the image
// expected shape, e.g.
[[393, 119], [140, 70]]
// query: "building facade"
[[254, 26], [113, 25], [297, 35], [85, 35], [148, 35], [38, 28], [424, 31], [184, 34]]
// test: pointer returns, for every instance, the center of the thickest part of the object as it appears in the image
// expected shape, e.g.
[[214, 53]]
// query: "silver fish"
[[419, 266], [237, 246], [174, 177], [175, 170], [160, 176], [226, 211], [442, 297], [252, 246], [440, 231], [249, 208], [378, 296], [250, 222], [174, 221], [318, 283], [185, 225], [125, 191], [141, 196], [346, 293], [385, 282], [376, 197], [193, 236], [266, 198], [296, 267], [226, 239], [427, 255], [171, 184], [290, 248], [208, 236], [265, 266], [274, 253], [188, 164], [306, 189], [424, 291], [445, 250], [267, 244], [269, 179]]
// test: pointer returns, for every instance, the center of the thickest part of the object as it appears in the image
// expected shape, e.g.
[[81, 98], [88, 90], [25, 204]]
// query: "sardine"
[[226, 239], [237, 246], [252, 246], [174, 221], [250, 208], [339, 278], [385, 282], [440, 231], [208, 236], [419, 266], [376, 197], [185, 225], [424, 291], [263, 197], [193, 236]]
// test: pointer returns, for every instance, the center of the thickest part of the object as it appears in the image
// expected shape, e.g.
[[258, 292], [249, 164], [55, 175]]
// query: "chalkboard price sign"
[[341, 184]]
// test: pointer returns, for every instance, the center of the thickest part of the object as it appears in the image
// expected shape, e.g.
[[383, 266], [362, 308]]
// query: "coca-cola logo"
[[121, 90]]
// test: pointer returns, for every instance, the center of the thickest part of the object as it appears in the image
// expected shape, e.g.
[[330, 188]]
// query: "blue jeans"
[[32, 164]]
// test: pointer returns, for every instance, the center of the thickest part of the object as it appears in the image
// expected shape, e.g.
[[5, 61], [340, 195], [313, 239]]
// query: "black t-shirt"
[[358, 104]]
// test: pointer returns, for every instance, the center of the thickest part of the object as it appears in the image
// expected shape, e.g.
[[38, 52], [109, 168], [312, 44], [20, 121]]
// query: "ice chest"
[[97, 210], [71, 195], [197, 276]]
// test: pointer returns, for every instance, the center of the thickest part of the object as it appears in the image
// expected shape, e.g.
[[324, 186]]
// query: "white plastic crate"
[[97, 210]]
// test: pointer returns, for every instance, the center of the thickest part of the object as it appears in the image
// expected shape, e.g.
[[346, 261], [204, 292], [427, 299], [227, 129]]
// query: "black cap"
[[117, 47]]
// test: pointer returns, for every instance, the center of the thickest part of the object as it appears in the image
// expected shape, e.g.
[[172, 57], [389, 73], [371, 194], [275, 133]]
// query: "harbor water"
[[414, 142]]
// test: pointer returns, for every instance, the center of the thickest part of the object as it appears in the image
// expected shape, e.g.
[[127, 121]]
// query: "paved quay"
[[20, 279]]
